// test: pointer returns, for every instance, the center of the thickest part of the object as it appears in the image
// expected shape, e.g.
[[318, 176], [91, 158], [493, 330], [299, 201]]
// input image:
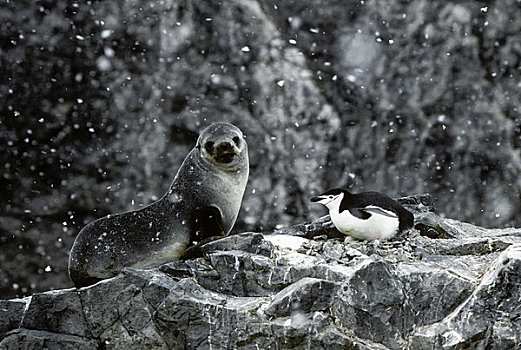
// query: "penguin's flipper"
[[360, 213], [380, 211]]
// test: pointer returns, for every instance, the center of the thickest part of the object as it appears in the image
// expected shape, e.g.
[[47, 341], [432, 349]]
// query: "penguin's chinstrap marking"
[[203, 201], [366, 215]]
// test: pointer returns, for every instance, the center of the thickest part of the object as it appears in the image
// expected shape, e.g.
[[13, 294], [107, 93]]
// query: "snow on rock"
[[285, 241]]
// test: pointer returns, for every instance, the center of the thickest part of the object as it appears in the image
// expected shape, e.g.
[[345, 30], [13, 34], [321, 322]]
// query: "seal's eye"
[[208, 146], [237, 140]]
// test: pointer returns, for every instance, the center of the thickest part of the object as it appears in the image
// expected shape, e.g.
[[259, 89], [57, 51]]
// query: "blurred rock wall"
[[101, 101]]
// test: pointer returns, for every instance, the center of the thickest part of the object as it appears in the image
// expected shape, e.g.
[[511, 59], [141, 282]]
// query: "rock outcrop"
[[100, 101], [443, 285]]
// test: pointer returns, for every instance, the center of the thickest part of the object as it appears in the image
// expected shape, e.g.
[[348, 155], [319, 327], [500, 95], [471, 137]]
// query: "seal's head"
[[223, 144]]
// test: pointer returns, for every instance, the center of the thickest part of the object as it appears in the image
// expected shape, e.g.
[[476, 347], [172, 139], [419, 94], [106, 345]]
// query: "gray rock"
[[196, 317], [11, 314], [118, 314], [370, 303], [285, 291], [24, 339], [489, 317], [102, 102], [246, 242], [420, 279], [63, 313], [303, 296]]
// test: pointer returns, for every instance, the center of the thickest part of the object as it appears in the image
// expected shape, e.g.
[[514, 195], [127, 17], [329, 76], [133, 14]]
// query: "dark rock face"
[[285, 291], [101, 101]]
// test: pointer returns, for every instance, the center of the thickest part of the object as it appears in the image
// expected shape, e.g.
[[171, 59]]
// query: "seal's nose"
[[225, 152], [224, 147]]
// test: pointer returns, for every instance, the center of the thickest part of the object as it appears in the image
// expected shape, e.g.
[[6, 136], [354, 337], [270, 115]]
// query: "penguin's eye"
[[330, 197], [237, 140]]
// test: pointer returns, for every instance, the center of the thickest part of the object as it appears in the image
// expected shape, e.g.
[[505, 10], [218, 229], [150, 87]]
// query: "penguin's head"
[[223, 144], [330, 198]]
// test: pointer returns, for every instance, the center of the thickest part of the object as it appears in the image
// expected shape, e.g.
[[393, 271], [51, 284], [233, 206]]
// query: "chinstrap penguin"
[[366, 215]]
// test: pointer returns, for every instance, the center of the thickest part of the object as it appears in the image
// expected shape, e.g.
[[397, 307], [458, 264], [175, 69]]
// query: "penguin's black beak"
[[316, 199]]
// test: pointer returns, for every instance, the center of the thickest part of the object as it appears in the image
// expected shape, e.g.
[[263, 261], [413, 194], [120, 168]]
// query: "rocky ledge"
[[443, 285]]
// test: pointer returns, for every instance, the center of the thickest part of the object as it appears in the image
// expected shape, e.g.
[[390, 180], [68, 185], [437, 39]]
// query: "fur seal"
[[203, 201]]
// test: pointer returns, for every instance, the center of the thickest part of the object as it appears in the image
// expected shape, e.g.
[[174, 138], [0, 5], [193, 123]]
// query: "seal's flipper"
[[196, 251], [207, 223], [85, 281]]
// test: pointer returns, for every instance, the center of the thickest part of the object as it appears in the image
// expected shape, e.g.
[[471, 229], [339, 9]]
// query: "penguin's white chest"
[[375, 227]]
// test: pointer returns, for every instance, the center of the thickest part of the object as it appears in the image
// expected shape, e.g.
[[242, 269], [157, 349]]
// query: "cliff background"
[[101, 101]]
